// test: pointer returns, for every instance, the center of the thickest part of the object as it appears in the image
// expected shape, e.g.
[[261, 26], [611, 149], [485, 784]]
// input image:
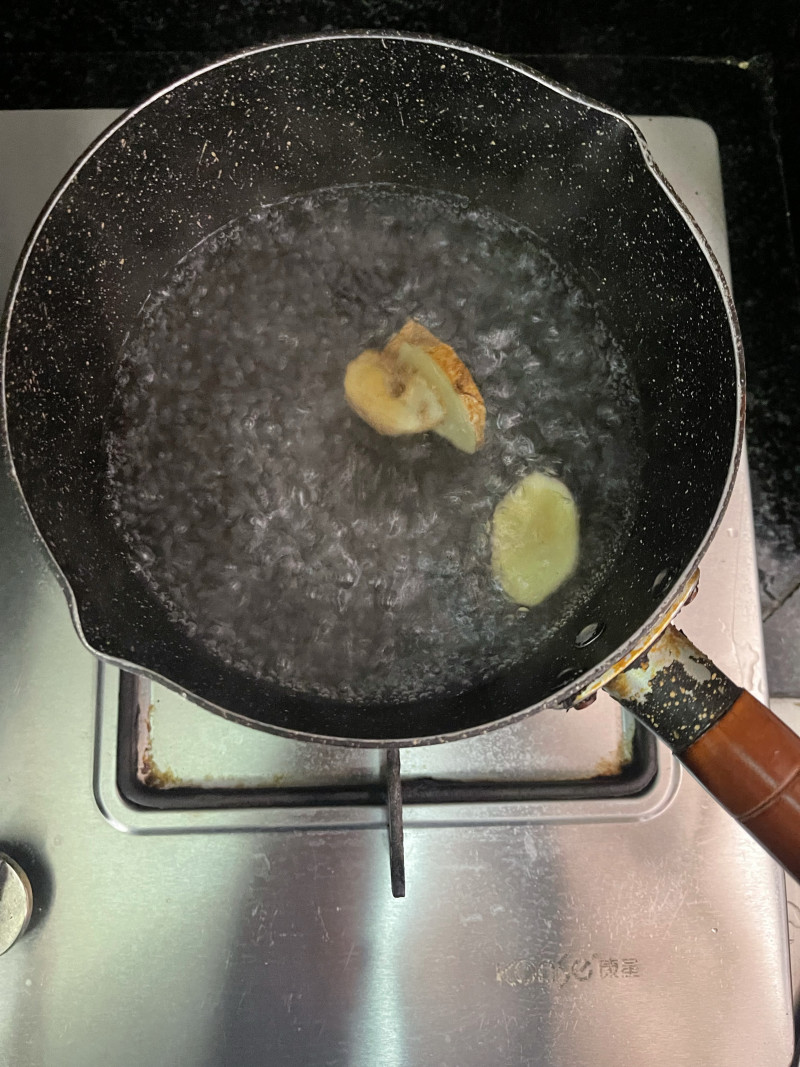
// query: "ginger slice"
[[390, 396], [417, 383], [465, 411], [534, 538]]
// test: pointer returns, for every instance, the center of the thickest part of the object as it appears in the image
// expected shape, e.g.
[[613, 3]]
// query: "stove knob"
[[16, 902]]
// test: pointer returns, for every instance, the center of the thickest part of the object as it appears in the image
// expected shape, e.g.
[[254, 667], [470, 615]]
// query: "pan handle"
[[732, 743]]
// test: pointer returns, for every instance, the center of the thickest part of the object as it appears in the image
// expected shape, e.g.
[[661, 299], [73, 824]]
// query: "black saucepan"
[[349, 109]]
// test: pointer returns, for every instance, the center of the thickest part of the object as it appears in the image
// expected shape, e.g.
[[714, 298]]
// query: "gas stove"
[[207, 894]]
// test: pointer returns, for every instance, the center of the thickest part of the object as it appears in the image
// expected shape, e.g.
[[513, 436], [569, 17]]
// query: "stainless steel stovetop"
[[206, 894]]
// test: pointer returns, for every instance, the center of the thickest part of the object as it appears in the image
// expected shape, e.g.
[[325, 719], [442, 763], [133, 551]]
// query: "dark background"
[[625, 27], [733, 29], [733, 64]]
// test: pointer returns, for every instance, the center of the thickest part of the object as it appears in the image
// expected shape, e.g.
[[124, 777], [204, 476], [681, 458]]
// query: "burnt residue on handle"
[[675, 690]]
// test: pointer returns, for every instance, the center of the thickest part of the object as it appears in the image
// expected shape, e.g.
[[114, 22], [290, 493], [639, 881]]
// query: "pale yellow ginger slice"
[[417, 383], [390, 396], [534, 538]]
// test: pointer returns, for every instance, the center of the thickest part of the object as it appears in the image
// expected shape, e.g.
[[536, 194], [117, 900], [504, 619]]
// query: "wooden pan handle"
[[750, 761], [731, 742]]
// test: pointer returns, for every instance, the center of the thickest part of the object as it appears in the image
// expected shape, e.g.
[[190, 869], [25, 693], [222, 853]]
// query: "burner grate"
[[147, 788]]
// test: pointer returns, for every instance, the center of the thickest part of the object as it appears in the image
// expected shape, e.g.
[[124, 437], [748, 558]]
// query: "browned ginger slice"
[[415, 384]]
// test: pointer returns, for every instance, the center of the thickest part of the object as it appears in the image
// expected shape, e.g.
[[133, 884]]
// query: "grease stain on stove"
[[153, 776], [149, 773], [611, 768]]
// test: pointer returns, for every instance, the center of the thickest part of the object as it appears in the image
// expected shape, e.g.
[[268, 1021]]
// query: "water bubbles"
[[507, 419], [280, 530]]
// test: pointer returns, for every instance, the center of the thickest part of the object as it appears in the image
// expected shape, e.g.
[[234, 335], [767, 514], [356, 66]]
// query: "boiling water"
[[289, 537]]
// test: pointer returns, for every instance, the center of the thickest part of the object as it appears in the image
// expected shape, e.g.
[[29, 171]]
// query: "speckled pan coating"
[[350, 108]]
